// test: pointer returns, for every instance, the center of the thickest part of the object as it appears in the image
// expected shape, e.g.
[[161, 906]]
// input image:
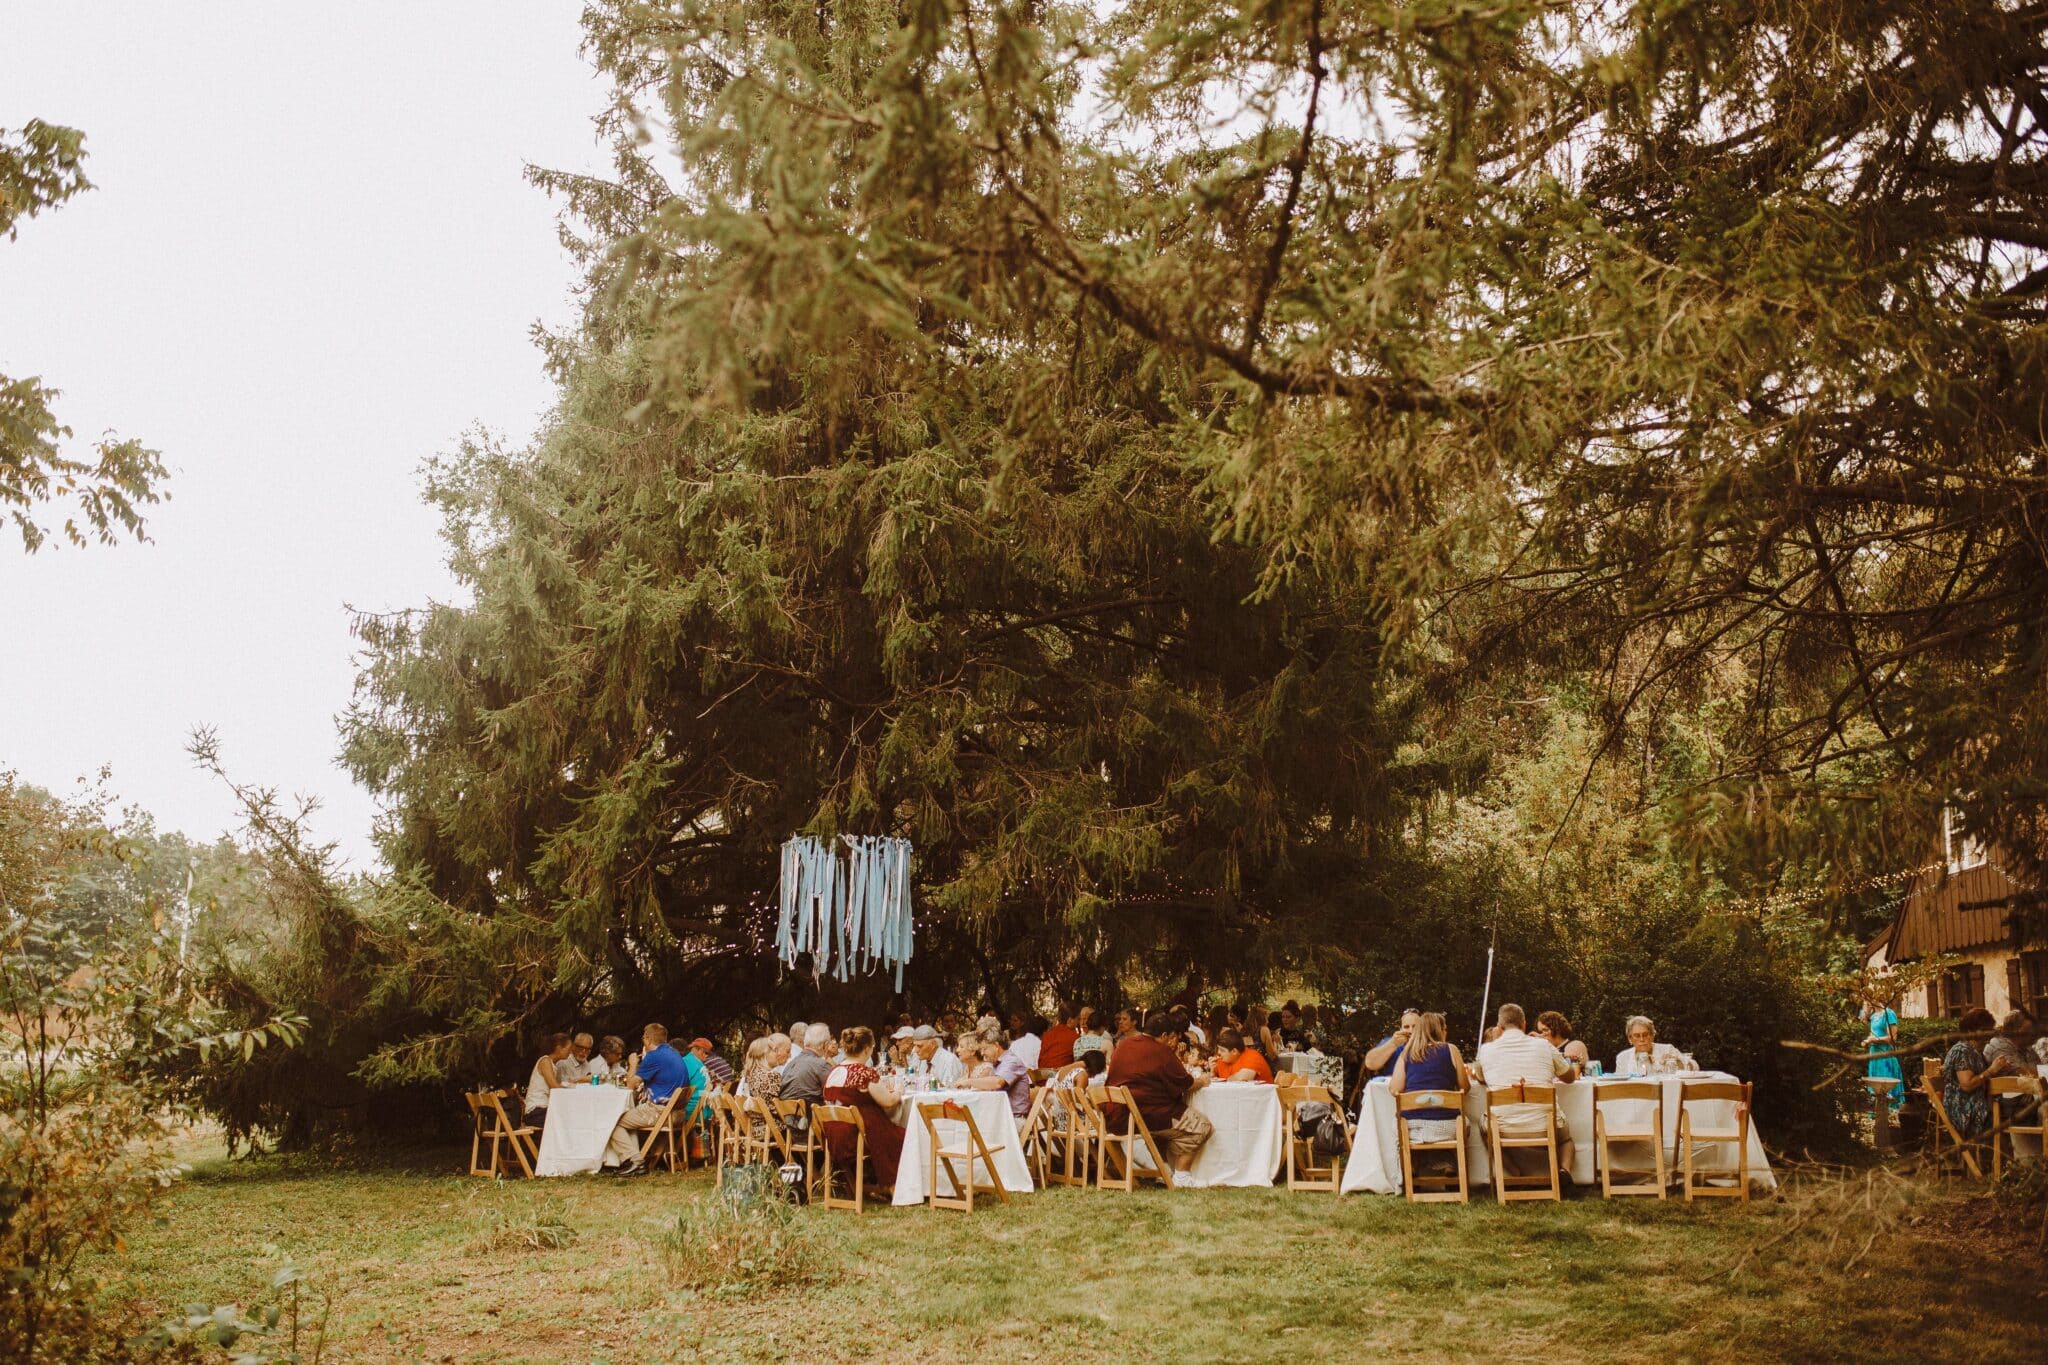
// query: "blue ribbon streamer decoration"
[[851, 914]]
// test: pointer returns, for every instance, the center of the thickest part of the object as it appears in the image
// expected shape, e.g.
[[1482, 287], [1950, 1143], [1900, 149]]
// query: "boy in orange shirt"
[[1236, 1062]]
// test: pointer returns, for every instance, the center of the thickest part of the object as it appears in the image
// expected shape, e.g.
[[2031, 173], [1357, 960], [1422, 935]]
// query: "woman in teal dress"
[[1881, 1045]]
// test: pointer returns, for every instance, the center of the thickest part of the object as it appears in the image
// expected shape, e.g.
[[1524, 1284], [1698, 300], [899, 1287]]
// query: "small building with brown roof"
[[1962, 905]]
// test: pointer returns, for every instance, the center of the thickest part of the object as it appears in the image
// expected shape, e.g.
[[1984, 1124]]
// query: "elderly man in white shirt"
[[1645, 1056], [931, 1057], [575, 1069], [1515, 1057]]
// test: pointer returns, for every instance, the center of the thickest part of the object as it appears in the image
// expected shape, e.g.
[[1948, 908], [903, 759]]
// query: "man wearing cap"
[[899, 1046], [715, 1066], [932, 1058]]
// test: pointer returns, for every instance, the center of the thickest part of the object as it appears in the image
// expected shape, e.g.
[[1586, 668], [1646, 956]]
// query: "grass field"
[[1082, 1275]]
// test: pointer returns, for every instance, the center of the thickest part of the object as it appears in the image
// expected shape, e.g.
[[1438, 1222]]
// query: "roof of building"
[[1951, 912]]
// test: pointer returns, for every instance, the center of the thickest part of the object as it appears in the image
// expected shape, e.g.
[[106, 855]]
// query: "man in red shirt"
[[1160, 1087], [1056, 1046], [1236, 1062]]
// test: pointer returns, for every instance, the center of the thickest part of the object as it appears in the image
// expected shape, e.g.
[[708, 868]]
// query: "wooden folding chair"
[[729, 1132], [664, 1131], [482, 1124], [1124, 1146], [1508, 1188], [1930, 1085], [1606, 1135], [1035, 1132], [1433, 1188], [1082, 1139], [804, 1145], [1691, 1137], [524, 1140], [972, 1150], [1303, 1171], [822, 1114], [2003, 1130]]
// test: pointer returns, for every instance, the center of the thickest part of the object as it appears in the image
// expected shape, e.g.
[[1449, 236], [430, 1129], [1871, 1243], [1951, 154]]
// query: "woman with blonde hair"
[[1429, 1062]]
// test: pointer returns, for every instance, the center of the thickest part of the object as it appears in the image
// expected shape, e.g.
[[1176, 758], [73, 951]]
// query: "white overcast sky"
[[310, 263]]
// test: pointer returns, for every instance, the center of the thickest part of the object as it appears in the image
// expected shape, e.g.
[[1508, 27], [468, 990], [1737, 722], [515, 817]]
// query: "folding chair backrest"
[[1411, 1100], [822, 1114], [1610, 1092], [1736, 1092]]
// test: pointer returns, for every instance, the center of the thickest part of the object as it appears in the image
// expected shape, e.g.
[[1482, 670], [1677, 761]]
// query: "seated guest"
[[1516, 1057], [761, 1077], [1094, 1064], [1126, 1026], [899, 1047], [1258, 1031], [1291, 1035], [803, 1075], [1184, 1020], [661, 1072], [575, 1069], [1091, 1038], [856, 1082], [1381, 1056], [1056, 1045], [1965, 1076], [1024, 1038], [1236, 1062], [1006, 1071], [1556, 1030], [716, 1067], [1160, 1087], [796, 1037], [1645, 1056], [610, 1063], [546, 1077], [932, 1058], [968, 1048], [1429, 1062], [2014, 1033]]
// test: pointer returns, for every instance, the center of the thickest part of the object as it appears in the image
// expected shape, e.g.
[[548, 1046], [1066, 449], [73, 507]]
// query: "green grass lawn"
[[1080, 1274]]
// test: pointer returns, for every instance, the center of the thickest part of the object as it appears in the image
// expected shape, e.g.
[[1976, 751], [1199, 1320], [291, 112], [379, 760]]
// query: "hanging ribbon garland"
[[850, 914]]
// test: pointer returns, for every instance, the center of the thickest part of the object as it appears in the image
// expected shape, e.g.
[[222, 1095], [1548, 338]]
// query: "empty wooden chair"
[[822, 1114], [729, 1132], [1638, 1132], [481, 1124], [1119, 1142], [1304, 1170], [1540, 1132], [1433, 1187], [959, 1161], [2026, 1122], [1036, 1132], [525, 1141], [1082, 1141], [1716, 1132]]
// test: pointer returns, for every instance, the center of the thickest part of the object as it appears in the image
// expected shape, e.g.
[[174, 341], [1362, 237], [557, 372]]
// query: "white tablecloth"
[[1245, 1149], [1375, 1163], [580, 1122], [991, 1110]]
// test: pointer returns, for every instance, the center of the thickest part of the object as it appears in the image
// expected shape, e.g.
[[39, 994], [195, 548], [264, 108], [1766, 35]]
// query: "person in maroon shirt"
[[1160, 1086], [1056, 1046]]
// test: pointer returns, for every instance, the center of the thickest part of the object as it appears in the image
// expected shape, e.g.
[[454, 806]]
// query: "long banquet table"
[[1246, 1148], [1375, 1161], [998, 1126], [580, 1121]]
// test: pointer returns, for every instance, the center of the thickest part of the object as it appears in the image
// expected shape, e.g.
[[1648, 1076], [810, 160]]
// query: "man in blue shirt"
[[661, 1072], [1380, 1058]]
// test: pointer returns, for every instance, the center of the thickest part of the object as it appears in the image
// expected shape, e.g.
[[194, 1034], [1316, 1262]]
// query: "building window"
[[2026, 980], [1962, 848], [1959, 988]]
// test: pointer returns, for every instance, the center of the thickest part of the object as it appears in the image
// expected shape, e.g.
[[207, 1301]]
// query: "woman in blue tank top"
[[1430, 1063]]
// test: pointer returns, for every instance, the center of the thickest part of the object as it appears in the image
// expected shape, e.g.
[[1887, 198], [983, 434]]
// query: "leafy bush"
[[270, 1333], [742, 1236], [99, 1040]]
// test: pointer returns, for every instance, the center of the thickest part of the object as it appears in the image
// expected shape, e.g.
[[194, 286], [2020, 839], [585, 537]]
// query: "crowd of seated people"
[[1163, 1058]]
